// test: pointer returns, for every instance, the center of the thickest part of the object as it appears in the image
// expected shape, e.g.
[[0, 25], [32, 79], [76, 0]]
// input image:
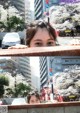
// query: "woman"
[[33, 98], [39, 34]]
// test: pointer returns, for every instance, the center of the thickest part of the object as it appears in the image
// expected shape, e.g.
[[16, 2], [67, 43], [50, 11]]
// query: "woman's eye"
[[38, 44], [50, 43]]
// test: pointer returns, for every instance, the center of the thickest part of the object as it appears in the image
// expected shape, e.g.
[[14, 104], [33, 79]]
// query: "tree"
[[13, 23], [4, 81], [20, 90], [2, 25]]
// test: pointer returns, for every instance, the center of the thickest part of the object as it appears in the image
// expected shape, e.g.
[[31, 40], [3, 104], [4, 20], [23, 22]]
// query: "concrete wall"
[[73, 107]]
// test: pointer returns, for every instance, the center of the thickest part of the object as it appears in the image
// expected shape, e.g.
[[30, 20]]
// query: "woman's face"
[[42, 39], [34, 100]]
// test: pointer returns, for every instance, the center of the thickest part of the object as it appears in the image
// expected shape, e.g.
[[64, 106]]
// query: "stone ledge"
[[43, 51]]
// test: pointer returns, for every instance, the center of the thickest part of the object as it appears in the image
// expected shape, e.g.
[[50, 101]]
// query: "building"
[[69, 1], [43, 71], [20, 5], [42, 6], [48, 3], [38, 9], [23, 65], [23, 7], [30, 71], [51, 65], [5, 65], [28, 12], [60, 63]]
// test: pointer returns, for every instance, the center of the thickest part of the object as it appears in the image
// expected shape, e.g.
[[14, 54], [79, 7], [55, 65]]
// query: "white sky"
[[34, 62], [32, 5]]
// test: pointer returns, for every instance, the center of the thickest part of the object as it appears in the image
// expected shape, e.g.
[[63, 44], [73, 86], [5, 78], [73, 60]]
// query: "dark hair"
[[33, 27], [31, 94]]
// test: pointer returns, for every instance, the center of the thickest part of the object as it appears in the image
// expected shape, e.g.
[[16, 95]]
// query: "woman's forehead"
[[41, 32], [33, 96]]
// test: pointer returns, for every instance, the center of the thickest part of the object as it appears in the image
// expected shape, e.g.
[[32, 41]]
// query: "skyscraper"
[[20, 5], [23, 7], [38, 8], [23, 65], [43, 71], [42, 6]]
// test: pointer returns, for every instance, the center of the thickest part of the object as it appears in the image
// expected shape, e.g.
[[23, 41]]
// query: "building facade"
[[20, 5], [38, 9], [23, 7], [23, 65], [5, 65], [28, 16], [51, 65], [42, 6], [43, 71]]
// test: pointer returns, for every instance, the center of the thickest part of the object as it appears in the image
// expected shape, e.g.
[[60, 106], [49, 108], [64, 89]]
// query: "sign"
[[69, 1], [47, 1], [50, 73], [50, 69]]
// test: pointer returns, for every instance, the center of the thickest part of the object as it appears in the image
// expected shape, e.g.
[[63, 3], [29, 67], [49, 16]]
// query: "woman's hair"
[[36, 94], [33, 27]]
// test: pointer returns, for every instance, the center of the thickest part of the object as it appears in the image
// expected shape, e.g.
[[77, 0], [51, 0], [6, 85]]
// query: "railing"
[[43, 51], [64, 107]]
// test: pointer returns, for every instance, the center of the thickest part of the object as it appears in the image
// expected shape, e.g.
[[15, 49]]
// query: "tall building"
[[23, 64], [42, 6], [20, 5], [38, 9], [23, 7], [48, 3], [27, 12], [43, 71], [5, 65], [51, 65]]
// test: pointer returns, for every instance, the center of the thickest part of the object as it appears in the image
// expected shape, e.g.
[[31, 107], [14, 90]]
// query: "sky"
[[34, 62], [32, 5]]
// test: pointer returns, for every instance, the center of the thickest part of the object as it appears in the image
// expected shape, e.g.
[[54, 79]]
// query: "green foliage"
[[13, 23], [9, 91], [3, 82], [1, 90], [20, 90], [2, 25]]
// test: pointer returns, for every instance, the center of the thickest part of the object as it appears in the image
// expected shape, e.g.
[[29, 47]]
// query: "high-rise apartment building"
[[5, 65], [51, 65], [38, 9], [20, 5], [28, 15], [23, 7], [23, 64], [43, 71]]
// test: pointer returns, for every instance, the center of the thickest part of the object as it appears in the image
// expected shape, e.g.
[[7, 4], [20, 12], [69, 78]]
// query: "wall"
[[68, 107]]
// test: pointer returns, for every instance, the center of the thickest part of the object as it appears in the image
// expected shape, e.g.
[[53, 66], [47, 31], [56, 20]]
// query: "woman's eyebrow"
[[37, 40], [51, 39]]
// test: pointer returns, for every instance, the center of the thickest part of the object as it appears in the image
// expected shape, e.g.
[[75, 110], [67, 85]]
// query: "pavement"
[[68, 40]]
